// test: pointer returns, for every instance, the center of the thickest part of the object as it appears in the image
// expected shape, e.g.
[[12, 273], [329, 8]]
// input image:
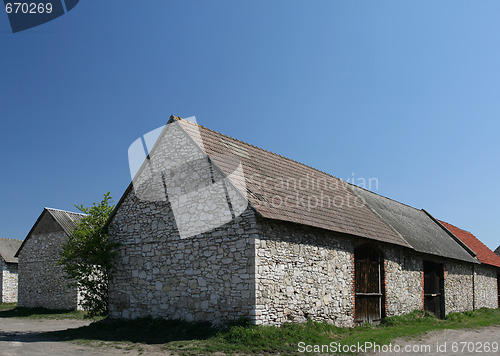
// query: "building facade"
[[307, 245], [42, 282]]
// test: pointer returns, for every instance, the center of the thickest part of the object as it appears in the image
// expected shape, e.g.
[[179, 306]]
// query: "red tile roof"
[[483, 253]]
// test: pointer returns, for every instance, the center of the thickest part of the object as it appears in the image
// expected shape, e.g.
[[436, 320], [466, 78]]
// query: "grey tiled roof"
[[8, 248], [497, 251], [415, 226], [66, 219]]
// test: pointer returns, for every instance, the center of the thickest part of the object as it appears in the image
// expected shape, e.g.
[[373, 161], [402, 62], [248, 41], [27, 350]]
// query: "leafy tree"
[[87, 257]]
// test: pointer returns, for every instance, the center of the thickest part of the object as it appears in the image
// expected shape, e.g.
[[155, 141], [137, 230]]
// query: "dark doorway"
[[498, 288], [368, 282], [434, 288]]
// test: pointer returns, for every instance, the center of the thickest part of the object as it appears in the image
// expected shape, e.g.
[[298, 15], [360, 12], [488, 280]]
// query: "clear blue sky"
[[406, 92]]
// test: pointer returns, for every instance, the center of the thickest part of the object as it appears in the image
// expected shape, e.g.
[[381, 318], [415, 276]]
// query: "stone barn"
[[42, 282], [213, 229], [8, 265]]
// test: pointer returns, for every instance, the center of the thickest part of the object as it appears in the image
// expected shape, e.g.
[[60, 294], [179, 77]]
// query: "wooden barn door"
[[434, 288], [368, 274]]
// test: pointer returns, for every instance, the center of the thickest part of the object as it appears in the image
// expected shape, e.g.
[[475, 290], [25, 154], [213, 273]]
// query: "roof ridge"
[[64, 211], [10, 238]]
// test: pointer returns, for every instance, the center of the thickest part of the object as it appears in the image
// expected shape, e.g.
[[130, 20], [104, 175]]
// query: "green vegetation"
[[7, 306], [241, 337], [87, 257], [10, 310]]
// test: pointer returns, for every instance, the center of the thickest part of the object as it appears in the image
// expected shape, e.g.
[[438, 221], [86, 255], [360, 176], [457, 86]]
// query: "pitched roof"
[[415, 226], [8, 248], [271, 179], [483, 253], [67, 220], [497, 251]]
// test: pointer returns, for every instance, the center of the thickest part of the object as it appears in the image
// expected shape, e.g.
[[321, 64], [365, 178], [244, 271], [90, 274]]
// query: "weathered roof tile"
[[483, 253], [282, 189], [415, 226]]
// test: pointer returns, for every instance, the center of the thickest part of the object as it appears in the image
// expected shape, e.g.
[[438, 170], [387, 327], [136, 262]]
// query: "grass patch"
[[243, 338], [7, 306], [10, 310]]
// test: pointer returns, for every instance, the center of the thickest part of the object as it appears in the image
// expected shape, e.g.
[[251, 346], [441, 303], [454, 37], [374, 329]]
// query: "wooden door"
[[434, 288], [368, 271]]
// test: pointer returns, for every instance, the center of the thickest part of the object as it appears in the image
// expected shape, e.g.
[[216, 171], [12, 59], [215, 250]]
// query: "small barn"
[[42, 282], [8, 266], [289, 242]]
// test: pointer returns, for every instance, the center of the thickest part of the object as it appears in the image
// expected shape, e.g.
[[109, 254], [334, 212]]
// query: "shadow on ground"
[[38, 312], [146, 331]]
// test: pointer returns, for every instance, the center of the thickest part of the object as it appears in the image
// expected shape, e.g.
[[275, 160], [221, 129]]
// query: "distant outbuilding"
[[8, 266], [42, 282]]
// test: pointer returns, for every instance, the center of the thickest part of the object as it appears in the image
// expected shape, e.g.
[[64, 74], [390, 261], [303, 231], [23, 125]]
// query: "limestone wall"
[[207, 277], [186, 252], [308, 273], [8, 283], [303, 273], [458, 285], [42, 282], [485, 287], [403, 280], [2, 267]]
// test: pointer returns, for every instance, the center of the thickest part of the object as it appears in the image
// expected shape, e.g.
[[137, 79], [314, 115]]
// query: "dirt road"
[[23, 337], [463, 342]]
